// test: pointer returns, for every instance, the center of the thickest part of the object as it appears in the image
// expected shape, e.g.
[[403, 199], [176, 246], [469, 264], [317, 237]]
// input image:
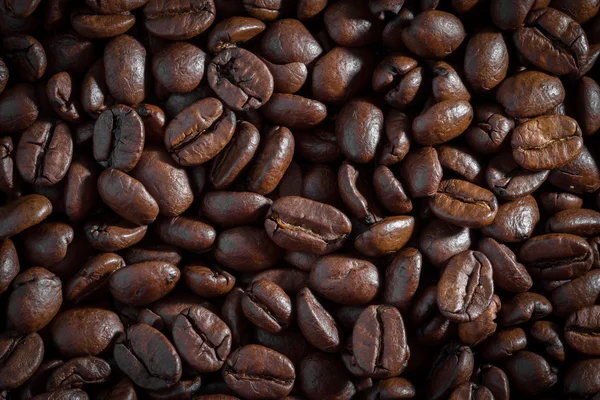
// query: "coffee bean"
[[118, 138], [359, 127], [44, 153], [147, 357], [257, 372], [464, 204], [143, 283], [452, 367], [186, 232], [272, 161], [439, 241], [110, 233], [25, 56], [379, 341], [515, 220], [529, 373], [474, 332], [357, 195], [229, 209], [22, 354], [232, 31], [18, 108], [509, 274], [316, 324], [442, 122], [178, 22], [549, 334], [47, 244], [183, 75], [77, 372], [125, 66], [580, 379], [98, 26], [530, 93], [338, 383], [246, 248], [199, 132], [466, 286], [207, 281], [509, 180], [425, 173], [524, 307], [433, 34], [386, 236], [197, 328]]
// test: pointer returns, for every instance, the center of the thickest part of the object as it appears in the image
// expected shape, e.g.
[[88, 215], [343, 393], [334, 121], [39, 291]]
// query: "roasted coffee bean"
[[425, 173], [25, 56], [508, 273], [22, 354], [580, 330], [462, 161], [547, 44], [553, 202], [272, 161], [580, 176], [178, 22], [118, 138], [580, 379], [47, 244], [199, 132], [44, 153], [386, 236], [147, 357], [402, 276], [316, 324], [359, 283], [439, 241], [530, 374], [530, 93], [524, 307], [125, 66], [490, 130], [98, 26], [442, 122], [359, 127], [77, 372], [257, 372], [503, 344], [515, 221], [295, 112], [93, 277], [464, 204], [556, 256], [35, 298], [179, 67], [18, 108], [549, 334], [486, 60], [299, 224], [267, 306], [247, 249], [546, 142], [202, 339], [207, 281], [189, 233], [143, 283], [509, 180], [233, 31], [466, 286], [452, 367], [379, 341], [433, 34], [109, 233]]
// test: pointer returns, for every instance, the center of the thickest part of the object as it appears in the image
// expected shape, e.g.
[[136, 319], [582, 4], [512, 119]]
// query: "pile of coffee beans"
[[299, 199]]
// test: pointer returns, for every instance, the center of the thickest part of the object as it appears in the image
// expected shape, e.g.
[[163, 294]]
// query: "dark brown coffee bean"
[[63, 394], [175, 21], [182, 389], [515, 221], [402, 276], [202, 339], [272, 161], [486, 60], [257, 372], [530, 374], [46, 244], [18, 108], [433, 34], [462, 161], [341, 73], [359, 127], [490, 130], [118, 138], [549, 334], [588, 97], [356, 193], [530, 93], [421, 171], [316, 324], [267, 306], [189, 233], [379, 341], [80, 332], [556, 256], [503, 344], [546, 142], [22, 213], [553, 202], [125, 65], [439, 241], [154, 121], [167, 182], [143, 283], [564, 49], [442, 122], [396, 142], [466, 287], [44, 153], [580, 176], [240, 79], [580, 330], [386, 236], [359, 281], [207, 281], [464, 204], [509, 180], [25, 56], [289, 279], [22, 354], [127, 197], [147, 357], [199, 132], [9, 264], [233, 31], [509, 274], [179, 67], [110, 233], [524, 307], [296, 223], [582, 222], [93, 277], [246, 249], [390, 192], [295, 112], [35, 299], [98, 26], [452, 367]]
